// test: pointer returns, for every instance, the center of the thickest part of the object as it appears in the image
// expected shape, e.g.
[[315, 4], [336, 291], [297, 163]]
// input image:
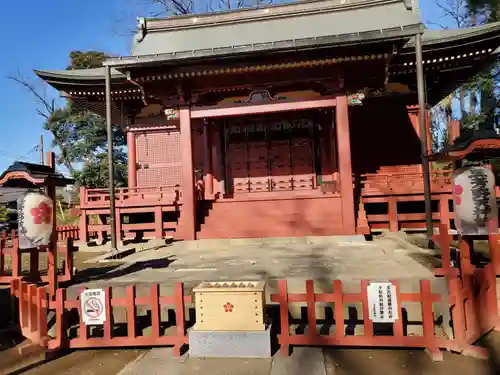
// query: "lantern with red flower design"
[[35, 219]]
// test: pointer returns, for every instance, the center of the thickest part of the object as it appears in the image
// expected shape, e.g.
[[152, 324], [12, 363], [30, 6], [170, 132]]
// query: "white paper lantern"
[[474, 201], [35, 218]]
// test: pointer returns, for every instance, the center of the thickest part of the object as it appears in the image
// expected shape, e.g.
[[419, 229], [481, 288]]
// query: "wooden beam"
[[209, 187], [188, 214], [132, 159], [344, 161], [255, 109]]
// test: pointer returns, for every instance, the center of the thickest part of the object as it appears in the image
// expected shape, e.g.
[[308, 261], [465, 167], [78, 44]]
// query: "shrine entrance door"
[[271, 153]]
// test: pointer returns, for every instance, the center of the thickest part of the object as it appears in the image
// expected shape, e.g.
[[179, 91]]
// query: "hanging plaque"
[[35, 220], [474, 200]]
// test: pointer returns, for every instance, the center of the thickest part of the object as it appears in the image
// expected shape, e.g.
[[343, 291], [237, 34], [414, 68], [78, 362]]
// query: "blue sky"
[[39, 34]]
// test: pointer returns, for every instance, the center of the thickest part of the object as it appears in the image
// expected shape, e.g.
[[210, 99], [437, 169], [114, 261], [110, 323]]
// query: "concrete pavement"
[[160, 361]]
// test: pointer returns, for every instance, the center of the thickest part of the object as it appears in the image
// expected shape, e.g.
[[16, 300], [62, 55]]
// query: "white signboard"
[[93, 306], [382, 302]]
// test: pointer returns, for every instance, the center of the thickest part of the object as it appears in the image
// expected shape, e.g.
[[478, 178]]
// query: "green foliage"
[[86, 60], [3, 214], [94, 174], [80, 134], [484, 11], [482, 86]]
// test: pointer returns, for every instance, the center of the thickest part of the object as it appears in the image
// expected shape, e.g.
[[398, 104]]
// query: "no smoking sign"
[[93, 306]]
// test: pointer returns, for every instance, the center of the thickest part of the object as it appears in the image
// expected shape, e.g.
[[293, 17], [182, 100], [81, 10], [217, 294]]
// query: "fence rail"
[[12, 265], [67, 231], [129, 197], [35, 307], [470, 301], [395, 183]]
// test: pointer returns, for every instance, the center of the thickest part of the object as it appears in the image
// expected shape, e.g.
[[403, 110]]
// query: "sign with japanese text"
[[35, 220], [382, 302], [93, 306]]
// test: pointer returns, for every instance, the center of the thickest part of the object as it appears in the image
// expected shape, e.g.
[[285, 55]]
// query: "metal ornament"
[[475, 201], [35, 220]]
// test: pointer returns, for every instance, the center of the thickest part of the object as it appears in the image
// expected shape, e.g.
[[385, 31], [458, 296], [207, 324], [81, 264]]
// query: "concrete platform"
[[322, 259]]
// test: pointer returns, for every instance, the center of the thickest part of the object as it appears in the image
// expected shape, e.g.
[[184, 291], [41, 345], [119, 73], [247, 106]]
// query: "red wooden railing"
[[394, 183], [471, 297], [394, 220], [338, 298], [34, 306], [11, 266], [473, 290], [129, 197], [67, 231], [465, 333]]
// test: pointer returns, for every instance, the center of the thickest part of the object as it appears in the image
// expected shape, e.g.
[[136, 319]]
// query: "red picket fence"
[[67, 231], [471, 299], [463, 335], [11, 265], [35, 306], [473, 288]]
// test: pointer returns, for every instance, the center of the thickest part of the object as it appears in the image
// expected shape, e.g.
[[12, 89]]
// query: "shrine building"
[[287, 120]]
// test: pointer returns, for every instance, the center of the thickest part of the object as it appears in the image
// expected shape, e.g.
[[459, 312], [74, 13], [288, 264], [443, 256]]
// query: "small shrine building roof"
[[21, 174]]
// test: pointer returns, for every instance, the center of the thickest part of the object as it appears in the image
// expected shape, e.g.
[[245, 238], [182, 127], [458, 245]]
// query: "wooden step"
[[301, 217]]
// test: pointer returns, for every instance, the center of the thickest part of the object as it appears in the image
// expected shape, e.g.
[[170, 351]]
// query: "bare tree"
[[455, 11], [180, 7], [49, 111]]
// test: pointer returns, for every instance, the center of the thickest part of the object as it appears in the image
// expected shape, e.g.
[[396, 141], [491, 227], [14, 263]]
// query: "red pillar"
[[188, 214], [216, 163], [132, 160], [209, 183], [344, 162], [414, 115]]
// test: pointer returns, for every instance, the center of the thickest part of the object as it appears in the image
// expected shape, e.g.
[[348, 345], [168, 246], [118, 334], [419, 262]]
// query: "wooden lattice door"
[[270, 156], [159, 161]]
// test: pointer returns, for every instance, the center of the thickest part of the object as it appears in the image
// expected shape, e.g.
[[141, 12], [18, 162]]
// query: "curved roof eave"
[[434, 38], [93, 76], [332, 41]]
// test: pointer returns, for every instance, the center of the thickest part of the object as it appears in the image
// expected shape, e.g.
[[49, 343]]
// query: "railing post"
[[2, 253], [15, 255], [494, 250], [158, 222], [180, 319], [284, 338], [444, 210], [393, 214], [83, 235]]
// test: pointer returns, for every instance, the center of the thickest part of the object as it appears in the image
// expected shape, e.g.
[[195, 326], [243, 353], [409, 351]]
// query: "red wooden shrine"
[[252, 134]]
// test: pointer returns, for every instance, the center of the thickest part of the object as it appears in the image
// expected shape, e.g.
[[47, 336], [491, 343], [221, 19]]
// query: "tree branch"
[[48, 105]]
